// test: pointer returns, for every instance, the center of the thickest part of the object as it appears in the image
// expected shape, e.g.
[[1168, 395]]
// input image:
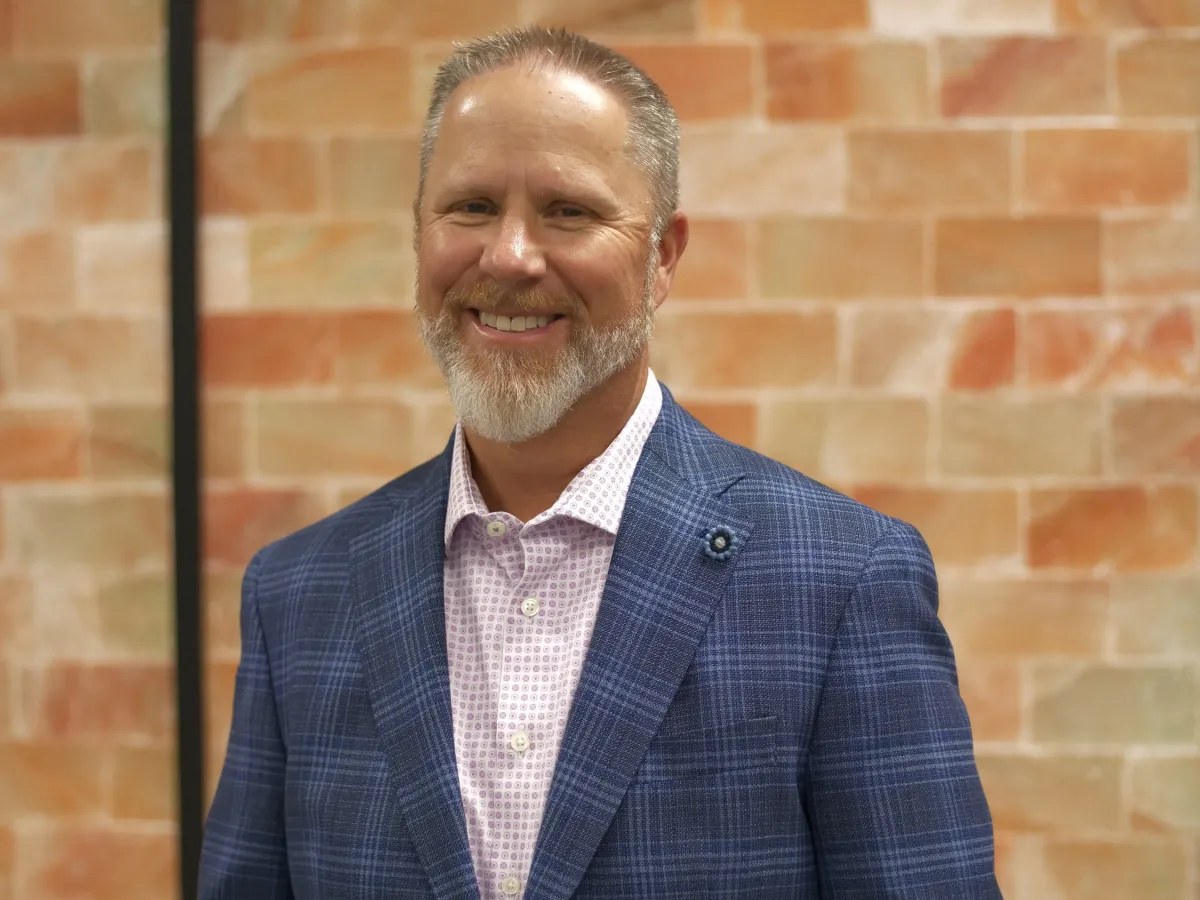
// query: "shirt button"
[[519, 741], [511, 885], [496, 529], [530, 606]]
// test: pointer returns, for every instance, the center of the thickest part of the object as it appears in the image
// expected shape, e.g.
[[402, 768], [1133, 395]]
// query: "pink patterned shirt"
[[521, 600]]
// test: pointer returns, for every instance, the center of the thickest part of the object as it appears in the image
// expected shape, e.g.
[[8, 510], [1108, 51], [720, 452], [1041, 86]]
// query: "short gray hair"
[[653, 139]]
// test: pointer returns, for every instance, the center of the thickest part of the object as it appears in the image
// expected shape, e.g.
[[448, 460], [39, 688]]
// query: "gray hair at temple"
[[653, 139]]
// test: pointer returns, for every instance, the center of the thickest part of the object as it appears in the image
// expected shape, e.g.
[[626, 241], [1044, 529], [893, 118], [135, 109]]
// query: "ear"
[[670, 248]]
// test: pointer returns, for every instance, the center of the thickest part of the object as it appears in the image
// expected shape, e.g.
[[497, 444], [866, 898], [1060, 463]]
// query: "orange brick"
[[66, 27], [708, 350], [435, 21], [40, 444], [144, 785], [240, 522], [125, 96], [1102, 15], [849, 439], [1072, 170], [1018, 618], [1159, 76], [117, 702], [245, 177], [991, 690], [715, 16], [920, 18], [40, 98], [734, 173], [1129, 528], [1001, 437], [219, 681], [123, 267], [342, 263], [268, 349], [106, 181], [42, 779], [915, 171], [322, 90], [716, 263], [1166, 795], [373, 173], [90, 356], [837, 82], [224, 75], [292, 20], [118, 531], [382, 347], [962, 527], [1049, 794], [1154, 256], [136, 617], [702, 81], [807, 258], [985, 352], [222, 612], [1098, 703], [918, 350], [27, 175], [225, 264], [770, 17], [333, 437], [98, 860], [1017, 257], [1156, 616], [1023, 76], [128, 441], [1071, 867], [737, 422], [604, 17], [37, 271], [1156, 435], [1153, 346], [224, 439]]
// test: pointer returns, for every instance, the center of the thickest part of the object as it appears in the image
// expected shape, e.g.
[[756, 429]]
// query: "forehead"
[[513, 115]]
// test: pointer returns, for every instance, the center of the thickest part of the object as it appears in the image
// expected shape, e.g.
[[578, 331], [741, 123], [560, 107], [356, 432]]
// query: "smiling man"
[[591, 650]]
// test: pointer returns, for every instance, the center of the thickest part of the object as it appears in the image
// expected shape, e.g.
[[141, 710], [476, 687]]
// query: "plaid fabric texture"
[[778, 721]]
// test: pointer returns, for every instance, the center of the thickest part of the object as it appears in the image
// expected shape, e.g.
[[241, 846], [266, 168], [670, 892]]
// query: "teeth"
[[513, 323]]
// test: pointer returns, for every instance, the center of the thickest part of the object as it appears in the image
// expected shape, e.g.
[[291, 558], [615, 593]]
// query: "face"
[[537, 280]]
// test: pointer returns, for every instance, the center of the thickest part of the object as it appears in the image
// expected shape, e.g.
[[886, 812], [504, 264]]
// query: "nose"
[[511, 255]]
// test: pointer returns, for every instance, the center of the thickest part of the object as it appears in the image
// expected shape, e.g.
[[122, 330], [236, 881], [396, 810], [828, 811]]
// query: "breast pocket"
[[749, 744]]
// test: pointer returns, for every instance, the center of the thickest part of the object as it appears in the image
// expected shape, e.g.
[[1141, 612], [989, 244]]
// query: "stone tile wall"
[[946, 257]]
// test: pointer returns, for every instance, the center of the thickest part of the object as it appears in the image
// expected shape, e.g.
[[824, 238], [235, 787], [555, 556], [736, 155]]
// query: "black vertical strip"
[[183, 214]]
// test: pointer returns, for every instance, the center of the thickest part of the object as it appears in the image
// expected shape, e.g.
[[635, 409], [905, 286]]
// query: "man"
[[591, 650]]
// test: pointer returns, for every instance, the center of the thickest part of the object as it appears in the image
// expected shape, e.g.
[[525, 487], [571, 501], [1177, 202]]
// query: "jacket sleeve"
[[244, 856], [894, 796]]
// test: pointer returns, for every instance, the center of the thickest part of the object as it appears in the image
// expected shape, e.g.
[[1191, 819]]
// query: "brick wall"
[[946, 257]]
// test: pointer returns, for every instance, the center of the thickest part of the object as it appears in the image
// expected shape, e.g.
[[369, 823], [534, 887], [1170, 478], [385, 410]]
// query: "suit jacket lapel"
[[396, 571], [660, 594]]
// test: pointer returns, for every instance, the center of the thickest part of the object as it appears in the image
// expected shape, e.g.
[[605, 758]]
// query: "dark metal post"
[[183, 218]]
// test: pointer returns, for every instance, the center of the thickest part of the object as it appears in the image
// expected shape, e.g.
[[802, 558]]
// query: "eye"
[[569, 211], [476, 207]]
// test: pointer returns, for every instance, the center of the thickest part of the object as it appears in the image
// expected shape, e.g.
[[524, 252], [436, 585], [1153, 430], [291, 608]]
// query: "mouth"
[[522, 324]]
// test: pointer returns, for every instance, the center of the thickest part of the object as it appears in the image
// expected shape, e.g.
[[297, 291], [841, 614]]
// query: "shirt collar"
[[596, 495]]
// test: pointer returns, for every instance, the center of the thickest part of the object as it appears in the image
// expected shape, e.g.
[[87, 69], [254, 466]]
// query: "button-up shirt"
[[520, 601]]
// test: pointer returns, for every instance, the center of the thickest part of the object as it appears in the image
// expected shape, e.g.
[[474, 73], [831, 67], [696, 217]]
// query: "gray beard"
[[504, 397]]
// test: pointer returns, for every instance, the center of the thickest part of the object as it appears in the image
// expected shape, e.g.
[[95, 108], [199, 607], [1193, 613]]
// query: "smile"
[[518, 324]]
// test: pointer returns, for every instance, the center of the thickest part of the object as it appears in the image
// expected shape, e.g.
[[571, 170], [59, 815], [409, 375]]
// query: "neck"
[[526, 479]]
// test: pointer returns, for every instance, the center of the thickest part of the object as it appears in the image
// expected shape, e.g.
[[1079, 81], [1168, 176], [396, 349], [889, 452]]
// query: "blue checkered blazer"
[[781, 720]]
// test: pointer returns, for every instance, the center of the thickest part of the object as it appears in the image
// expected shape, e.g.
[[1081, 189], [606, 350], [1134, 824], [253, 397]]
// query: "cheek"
[[611, 284], [442, 263]]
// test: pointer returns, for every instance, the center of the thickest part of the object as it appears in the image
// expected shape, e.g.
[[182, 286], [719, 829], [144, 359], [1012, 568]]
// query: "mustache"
[[490, 296]]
